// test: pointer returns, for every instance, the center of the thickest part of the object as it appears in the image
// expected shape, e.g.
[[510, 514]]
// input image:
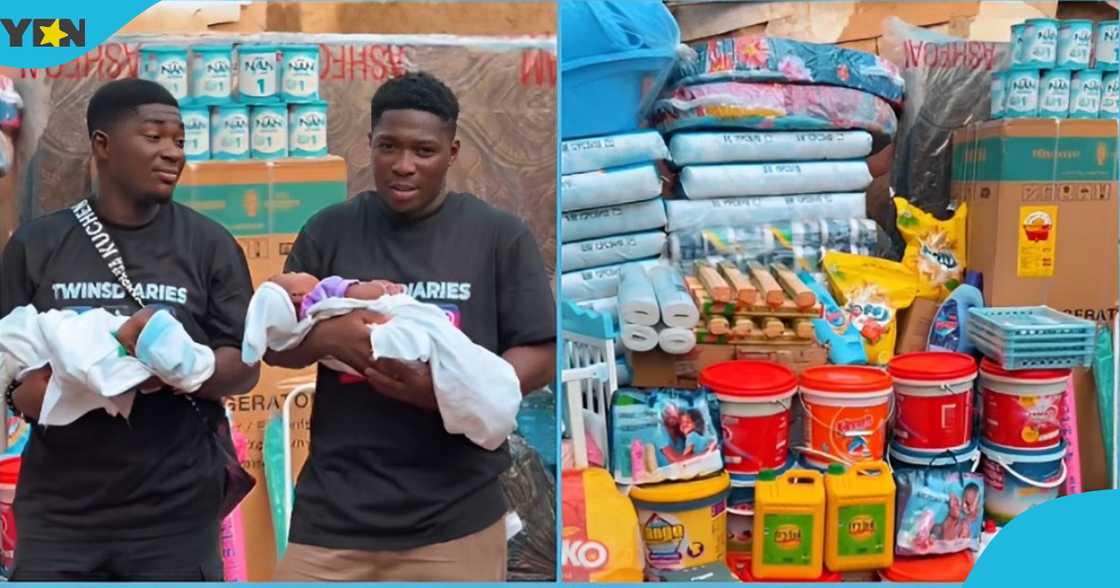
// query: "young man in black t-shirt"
[[138, 499], [387, 493]]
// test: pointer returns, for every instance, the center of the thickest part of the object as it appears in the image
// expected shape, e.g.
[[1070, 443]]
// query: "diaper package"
[[608, 187], [611, 250], [771, 179], [725, 212], [935, 249], [601, 537], [663, 434], [732, 147], [584, 155], [612, 220], [871, 291], [938, 511], [600, 282]]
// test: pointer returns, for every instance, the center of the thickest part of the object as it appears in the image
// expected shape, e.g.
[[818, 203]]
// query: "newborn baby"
[[305, 290]]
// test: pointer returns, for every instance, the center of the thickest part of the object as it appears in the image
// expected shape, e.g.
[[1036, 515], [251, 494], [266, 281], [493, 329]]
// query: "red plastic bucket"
[[755, 398], [936, 568], [741, 567], [933, 396], [847, 409], [9, 477], [1021, 408]]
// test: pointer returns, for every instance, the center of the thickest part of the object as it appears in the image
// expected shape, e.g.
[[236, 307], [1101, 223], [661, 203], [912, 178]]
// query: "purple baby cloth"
[[332, 287]]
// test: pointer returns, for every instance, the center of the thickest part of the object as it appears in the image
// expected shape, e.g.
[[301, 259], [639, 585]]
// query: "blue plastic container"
[[1106, 44], [1085, 94], [258, 73], [196, 131], [1018, 479], [949, 330], [268, 131], [1053, 93], [299, 73], [1040, 42], [606, 27], [167, 65], [966, 459], [1075, 43], [307, 129], [611, 94], [229, 132], [211, 73]]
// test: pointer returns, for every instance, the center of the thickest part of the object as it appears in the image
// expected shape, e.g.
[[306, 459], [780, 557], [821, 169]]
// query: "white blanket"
[[477, 391]]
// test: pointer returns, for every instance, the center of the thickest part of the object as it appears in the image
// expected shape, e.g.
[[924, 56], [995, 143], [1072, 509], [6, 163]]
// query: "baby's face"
[[129, 333], [297, 285]]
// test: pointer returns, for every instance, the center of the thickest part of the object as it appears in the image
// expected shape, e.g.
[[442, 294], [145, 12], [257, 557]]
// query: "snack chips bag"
[[872, 291], [935, 249], [601, 537]]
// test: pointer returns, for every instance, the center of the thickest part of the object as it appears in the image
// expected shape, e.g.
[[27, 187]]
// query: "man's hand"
[[345, 338], [408, 382], [28, 397]]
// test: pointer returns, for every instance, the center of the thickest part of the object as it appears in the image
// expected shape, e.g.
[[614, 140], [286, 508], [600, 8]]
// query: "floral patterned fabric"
[[770, 59], [779, 107]]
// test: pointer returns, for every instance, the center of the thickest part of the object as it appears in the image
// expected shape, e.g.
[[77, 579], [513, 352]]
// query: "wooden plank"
[[743, 291], [767, 285], [797, 291], [716, 286]]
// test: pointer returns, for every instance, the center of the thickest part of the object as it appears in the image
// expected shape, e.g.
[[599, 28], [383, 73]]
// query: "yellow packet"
[[871, 291], [934, 248]]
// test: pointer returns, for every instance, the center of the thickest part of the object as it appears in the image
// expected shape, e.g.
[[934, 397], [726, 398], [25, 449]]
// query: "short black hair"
[[120, 98], [415, 91]]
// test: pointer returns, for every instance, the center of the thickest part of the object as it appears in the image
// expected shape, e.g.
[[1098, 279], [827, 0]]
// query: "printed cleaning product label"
[[787, 540], [1038, 237], [862, 529]]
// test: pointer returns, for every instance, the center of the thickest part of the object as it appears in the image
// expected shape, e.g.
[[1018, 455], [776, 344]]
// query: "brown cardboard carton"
[[1042, 229], [913, 326], [657, 369]]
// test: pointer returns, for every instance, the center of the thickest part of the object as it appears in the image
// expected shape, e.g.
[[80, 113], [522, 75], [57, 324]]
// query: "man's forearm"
[[535, 365], [309, 351], [231, 376]]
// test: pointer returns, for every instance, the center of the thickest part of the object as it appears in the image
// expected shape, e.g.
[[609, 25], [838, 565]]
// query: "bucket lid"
[[845, 379], [1012, 455], [749, 380], [683, 491], [9, 469], [934, 458], [991, 368], [936, 568], [932, 366], [749, 480]]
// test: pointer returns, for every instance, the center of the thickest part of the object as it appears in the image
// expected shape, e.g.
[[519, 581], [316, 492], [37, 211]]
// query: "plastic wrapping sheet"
[[530, 489], [948, 86], [775, 241], [506, 89]]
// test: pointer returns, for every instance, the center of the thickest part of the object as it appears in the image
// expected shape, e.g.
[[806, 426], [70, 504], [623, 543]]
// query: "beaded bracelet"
[[11, 403]]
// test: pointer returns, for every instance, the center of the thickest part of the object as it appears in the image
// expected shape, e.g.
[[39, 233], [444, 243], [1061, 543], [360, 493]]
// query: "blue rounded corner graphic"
[[1057, 543], [48, 33]]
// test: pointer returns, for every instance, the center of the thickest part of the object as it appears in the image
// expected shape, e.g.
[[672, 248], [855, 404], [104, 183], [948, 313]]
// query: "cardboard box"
[[657, 369], [264, 204], [914, 324], [1042, 229]]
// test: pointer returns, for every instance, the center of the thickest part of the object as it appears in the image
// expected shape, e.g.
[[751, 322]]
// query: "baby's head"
[[129, 333], [297, 285], [373, 289]]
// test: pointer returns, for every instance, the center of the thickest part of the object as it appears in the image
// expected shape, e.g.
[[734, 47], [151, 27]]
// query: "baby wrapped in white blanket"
[[478, 392], [92, 367]]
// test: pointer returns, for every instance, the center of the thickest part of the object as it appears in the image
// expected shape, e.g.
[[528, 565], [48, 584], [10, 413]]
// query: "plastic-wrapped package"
[[727, 180], [782, 241], [724, 212], [584, 155], [580, 255], [948, 86], [778, 107], [530, 489], [767, 146], [609, 187]]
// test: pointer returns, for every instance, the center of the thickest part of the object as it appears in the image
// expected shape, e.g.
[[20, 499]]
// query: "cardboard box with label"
[[1042, 229], [657, 369], [264, 204]]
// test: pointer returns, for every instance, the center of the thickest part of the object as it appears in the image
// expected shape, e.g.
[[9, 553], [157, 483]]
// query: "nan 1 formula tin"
[[196, 131], [1106, 49], [1017, 44], [1075, 44], [268, 131], [1040, 42], [211, 73], [258, 73], [307, 129], [1085, 94], [299, 73], [229, 132], [998, 94], [167, 65], [1021, 91], [1053, 93], [1110, 95]]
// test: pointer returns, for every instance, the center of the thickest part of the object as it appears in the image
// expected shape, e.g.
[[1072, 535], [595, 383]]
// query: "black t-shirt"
[[159, 472], [383, 474]]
